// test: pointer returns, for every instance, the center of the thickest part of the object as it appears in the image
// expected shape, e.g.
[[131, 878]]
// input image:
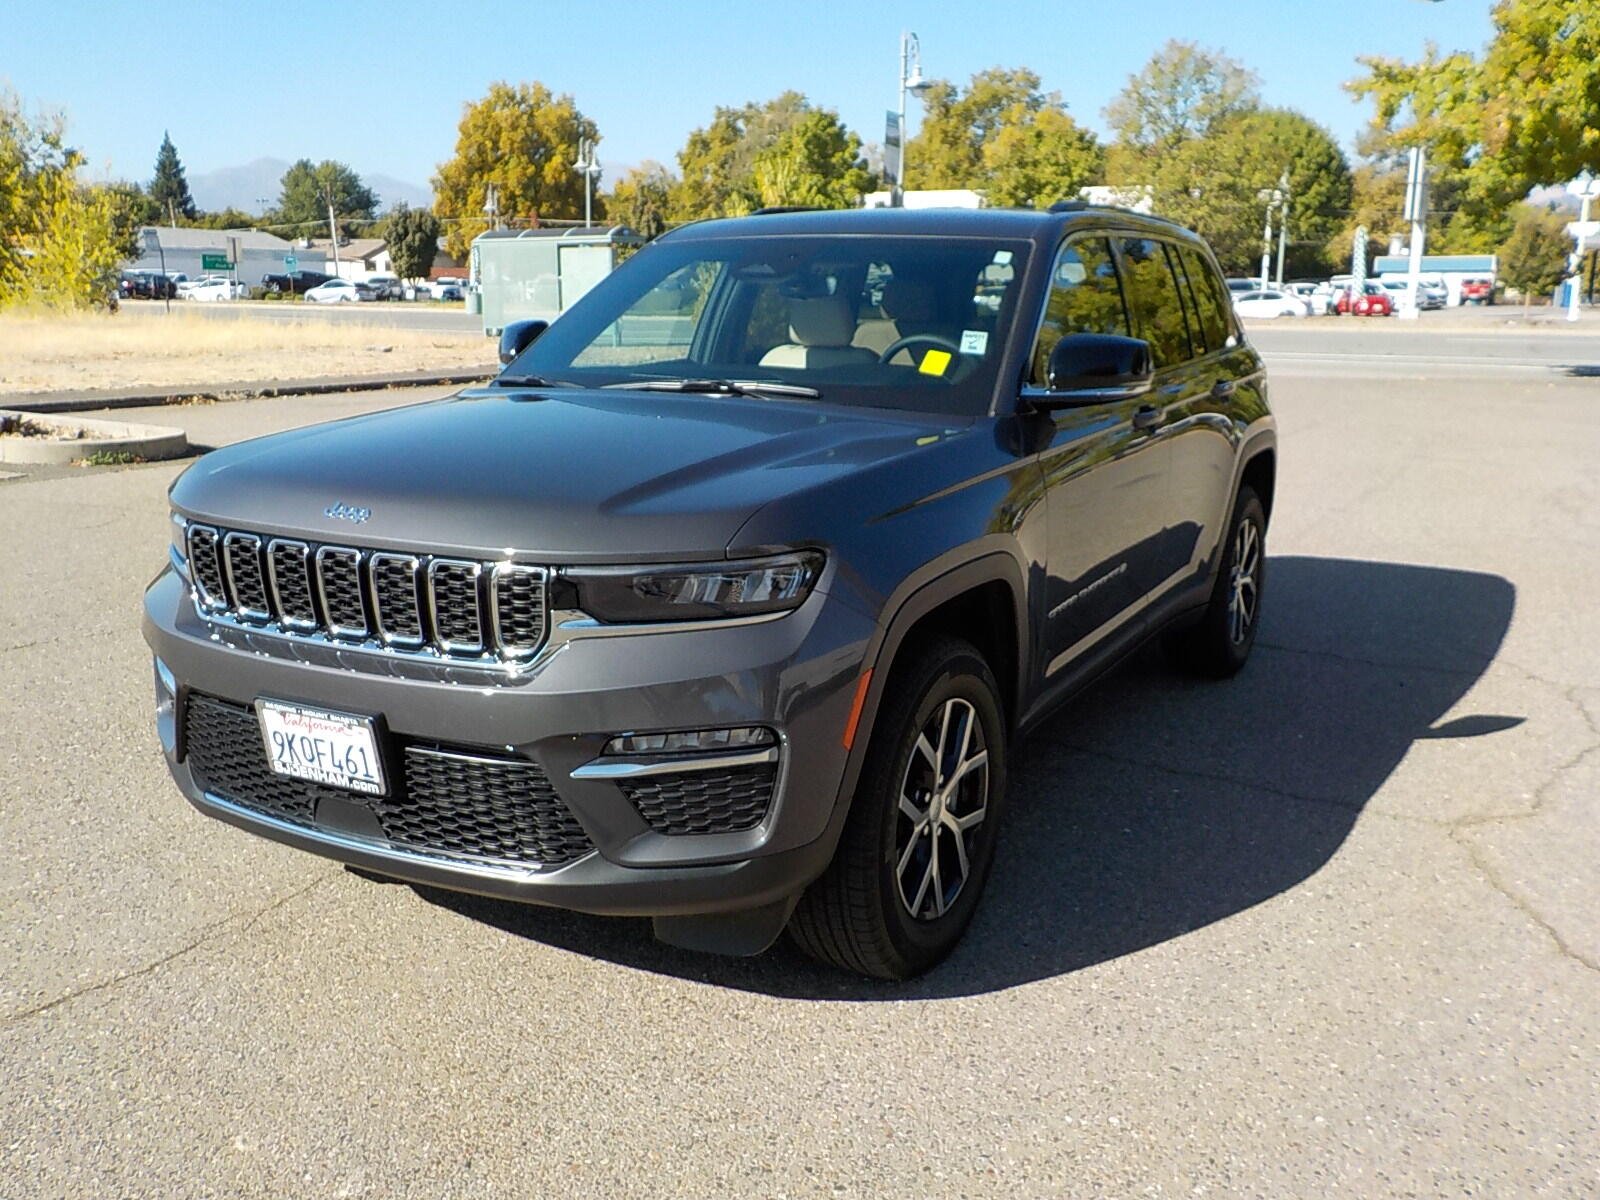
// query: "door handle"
[[1223, 388], [1147, 417]]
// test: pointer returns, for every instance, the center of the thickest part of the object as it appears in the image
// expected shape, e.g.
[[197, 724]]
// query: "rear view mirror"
[[518, 336], [1087, 368]]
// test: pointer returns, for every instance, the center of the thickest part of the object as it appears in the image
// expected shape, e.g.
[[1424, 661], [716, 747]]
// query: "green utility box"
[[525, 273]]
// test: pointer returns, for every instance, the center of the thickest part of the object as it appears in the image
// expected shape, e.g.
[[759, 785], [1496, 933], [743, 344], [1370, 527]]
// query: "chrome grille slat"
[[457, 610], [339, 589], [385, 601], [247, 583], [205, 546], [396, 606], [289, 574], [517, 608]]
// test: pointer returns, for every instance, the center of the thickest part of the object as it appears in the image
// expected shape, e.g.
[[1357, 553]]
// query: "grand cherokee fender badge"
[[347, 512]]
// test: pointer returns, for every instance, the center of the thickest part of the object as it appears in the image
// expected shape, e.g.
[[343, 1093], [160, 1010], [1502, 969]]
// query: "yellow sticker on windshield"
[[934, 362]]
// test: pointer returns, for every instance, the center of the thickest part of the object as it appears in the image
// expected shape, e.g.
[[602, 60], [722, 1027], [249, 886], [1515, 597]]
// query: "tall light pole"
[[911, 80], [590, 167], [1283, 221], [1586, 187]]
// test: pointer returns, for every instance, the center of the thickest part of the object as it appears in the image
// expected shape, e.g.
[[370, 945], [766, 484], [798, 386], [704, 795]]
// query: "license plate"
[[337, 749]]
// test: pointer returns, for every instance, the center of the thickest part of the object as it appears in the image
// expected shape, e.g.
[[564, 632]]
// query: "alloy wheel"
[[1244, 581], [944, 798]]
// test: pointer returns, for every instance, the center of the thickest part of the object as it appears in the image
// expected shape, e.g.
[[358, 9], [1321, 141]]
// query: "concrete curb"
[[91, 401], [148, 442]]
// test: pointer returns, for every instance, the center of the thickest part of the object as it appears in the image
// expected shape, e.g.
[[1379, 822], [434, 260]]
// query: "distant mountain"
[[244, 187]]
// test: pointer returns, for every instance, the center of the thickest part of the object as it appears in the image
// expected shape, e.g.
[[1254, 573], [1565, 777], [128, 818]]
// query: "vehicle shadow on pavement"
[[1153, 805]]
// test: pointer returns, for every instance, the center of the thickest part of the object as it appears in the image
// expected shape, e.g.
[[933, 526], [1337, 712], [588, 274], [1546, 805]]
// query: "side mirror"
[[518, 336], [1092, 368]]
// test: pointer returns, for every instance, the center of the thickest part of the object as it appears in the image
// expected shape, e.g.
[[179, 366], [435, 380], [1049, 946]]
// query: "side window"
[[1153, 302], [1085, 297], [1197, 344], [1207, 291]]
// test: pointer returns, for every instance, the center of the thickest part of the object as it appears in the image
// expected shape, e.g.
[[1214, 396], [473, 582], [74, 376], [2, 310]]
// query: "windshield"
[[886, 322]]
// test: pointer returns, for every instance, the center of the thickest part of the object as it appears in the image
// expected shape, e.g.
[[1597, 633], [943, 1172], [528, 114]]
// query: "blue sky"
[[380, 85]]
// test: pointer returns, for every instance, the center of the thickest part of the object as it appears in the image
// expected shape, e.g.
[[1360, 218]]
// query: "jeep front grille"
[[458, 609]]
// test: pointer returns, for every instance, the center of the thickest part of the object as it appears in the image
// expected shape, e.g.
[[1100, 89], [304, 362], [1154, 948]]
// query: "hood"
[[571, 475]]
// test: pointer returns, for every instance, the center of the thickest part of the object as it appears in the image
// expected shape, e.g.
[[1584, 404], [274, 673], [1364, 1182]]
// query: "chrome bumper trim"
[[636, 768]]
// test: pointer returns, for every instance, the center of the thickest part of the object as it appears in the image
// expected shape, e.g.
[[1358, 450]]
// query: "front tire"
[[918, 843], [1218, 645]]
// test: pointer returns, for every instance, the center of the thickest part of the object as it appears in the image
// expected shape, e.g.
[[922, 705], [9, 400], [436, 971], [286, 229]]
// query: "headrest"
[[821, 321], [909, 300]]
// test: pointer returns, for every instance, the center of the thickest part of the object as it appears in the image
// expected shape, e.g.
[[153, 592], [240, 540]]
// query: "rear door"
[[1160, 311]]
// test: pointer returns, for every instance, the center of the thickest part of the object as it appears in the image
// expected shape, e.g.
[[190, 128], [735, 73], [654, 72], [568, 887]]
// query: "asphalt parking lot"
[[1329, 928]]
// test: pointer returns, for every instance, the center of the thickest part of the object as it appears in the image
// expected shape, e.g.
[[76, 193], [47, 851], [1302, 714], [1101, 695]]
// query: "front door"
[[1105, 479]]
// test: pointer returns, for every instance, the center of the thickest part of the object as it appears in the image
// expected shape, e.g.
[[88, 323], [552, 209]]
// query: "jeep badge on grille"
[[347, 512]]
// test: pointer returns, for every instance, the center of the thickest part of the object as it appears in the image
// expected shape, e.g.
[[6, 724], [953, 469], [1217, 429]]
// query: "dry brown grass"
[[57, 352]]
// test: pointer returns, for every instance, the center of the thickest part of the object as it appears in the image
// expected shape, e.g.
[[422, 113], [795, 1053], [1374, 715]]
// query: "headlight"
[[697, 592]]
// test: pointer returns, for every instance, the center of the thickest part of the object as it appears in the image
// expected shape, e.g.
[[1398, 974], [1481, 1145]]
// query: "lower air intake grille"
[[449, 802], [703, 801]]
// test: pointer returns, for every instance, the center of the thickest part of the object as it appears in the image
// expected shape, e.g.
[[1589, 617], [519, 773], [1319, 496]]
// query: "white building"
[[358, 258], [931, 198], [186, 250]]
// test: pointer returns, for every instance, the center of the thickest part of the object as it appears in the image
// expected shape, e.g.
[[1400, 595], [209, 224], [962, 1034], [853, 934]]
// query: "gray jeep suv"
[[724, 603]]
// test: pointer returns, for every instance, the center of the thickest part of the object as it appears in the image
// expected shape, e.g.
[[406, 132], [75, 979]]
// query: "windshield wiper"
[[720, 387], [538, 381]]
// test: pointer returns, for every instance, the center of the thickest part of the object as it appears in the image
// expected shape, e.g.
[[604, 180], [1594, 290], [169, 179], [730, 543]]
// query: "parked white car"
[[1270, 303], [339, 291], [1431, 293], [216, 289]]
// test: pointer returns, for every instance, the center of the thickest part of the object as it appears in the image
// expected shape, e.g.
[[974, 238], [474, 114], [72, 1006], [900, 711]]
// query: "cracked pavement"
[[1328, 927]]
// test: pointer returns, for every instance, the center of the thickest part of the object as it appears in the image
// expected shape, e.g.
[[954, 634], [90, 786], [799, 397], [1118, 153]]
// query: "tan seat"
[[820, 328], [909, 306]]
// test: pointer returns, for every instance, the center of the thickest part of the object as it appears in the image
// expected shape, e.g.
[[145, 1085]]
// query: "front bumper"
[[795, 675]]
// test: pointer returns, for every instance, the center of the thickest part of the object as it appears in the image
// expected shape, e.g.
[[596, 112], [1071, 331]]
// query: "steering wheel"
[[917, 339]]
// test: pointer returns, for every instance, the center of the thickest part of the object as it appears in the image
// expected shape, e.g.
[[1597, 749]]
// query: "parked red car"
[[1372, 302], [1477, 291]]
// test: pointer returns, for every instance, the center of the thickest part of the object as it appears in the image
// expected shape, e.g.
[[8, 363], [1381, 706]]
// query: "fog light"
[[166, 707], [690, 741]]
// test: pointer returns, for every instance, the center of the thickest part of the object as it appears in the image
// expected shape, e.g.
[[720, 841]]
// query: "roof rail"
[[1072, 206], [773, 209], [1061, 206]]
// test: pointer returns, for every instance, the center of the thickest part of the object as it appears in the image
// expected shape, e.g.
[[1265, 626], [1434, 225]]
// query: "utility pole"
[[333, 230], [1283, 221], [1586, 187], [1416, 212], [590, 169]]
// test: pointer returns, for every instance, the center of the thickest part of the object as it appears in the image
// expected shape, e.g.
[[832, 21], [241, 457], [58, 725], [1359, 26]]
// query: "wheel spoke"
[[916, 815], [961, 846], [944, 742], [981, 758], [938, 883], [967, 820], [929, 876], [925, 748], [905, 858]]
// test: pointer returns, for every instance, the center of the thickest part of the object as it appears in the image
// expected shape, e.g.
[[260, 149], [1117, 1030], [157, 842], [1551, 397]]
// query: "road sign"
[[291, 264], [891, 148], [215, 262]]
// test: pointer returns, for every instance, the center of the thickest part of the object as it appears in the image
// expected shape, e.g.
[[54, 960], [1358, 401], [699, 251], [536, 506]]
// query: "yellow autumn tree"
[[524, 141]]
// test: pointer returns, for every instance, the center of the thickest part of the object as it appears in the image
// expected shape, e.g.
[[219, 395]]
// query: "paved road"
[[1326, 929]]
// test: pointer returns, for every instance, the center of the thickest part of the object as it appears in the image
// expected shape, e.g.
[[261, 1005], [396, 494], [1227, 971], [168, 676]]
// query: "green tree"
[[1214, 184], [306, 188], [642, 199], [718, 162], [228, 218], [524, 141], [1183, 93], [413, 237], [1525, 113], [1043, 157], [169, 189], [1534, 259], [948, 151], [816, 161], [60, 243]]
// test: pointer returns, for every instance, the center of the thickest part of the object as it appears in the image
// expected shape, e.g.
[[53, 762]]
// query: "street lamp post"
[[589, 166], [1586, 187], [911, 80]]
